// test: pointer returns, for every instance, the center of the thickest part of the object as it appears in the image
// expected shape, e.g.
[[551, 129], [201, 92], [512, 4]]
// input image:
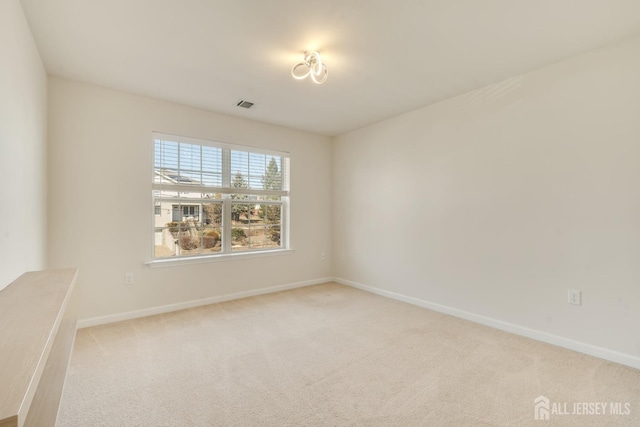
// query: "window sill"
[[170, 262]]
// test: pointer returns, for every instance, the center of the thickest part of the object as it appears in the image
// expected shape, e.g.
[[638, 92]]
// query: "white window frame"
[[226, 190]]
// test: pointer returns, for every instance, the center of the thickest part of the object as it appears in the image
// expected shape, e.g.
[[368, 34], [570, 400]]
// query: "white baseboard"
[[111, 318], [592, 350]]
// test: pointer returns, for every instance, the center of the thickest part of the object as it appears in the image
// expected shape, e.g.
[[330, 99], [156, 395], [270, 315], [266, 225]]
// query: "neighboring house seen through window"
[[214, 198]]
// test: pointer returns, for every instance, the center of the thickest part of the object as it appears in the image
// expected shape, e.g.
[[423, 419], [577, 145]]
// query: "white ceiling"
[[384, 57]]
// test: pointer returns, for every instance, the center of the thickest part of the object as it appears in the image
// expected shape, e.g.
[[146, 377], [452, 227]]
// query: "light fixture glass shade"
[[311, 66], [300, 71]]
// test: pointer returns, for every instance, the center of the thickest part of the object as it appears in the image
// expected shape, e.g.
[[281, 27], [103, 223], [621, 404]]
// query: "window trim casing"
[[285, 224], [202, 259]]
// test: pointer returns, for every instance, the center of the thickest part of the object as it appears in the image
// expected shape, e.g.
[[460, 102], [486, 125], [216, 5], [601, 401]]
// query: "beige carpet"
[[329, 355]]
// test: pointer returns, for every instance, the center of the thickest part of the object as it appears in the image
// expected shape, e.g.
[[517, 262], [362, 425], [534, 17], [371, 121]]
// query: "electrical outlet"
[[575, 297], [128, 278], [323, 256]]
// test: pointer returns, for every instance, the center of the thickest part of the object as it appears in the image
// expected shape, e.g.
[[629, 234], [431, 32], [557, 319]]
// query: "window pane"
[[239, 238], [166, 155], [212, 179], [255, 226], [241, 212], [258, 237], [271, 213], [212, 166], [274, 236], [165, 161], [182, 163], [270, 198], [211, 239], [165, 242], [258, 171], [212, 214], [185, 211], [190, 239], [239, 169], [163, 207], [190, 166], [273, 173]]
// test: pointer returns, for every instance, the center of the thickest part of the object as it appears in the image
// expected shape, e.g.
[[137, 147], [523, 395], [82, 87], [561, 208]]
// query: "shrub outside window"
[[212, 198]]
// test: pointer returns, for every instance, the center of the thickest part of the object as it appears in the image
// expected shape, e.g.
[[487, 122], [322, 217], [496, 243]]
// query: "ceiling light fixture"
[[312, 66]]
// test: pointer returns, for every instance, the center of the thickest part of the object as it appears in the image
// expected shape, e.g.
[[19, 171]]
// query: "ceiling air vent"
[[245, 104]]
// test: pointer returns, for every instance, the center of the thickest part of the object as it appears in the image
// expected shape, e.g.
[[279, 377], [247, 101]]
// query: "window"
[[213, 198], [183, 212]]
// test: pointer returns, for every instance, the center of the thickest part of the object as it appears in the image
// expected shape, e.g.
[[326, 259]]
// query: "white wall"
[[23, 127], [499, 201], [100, 212]]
